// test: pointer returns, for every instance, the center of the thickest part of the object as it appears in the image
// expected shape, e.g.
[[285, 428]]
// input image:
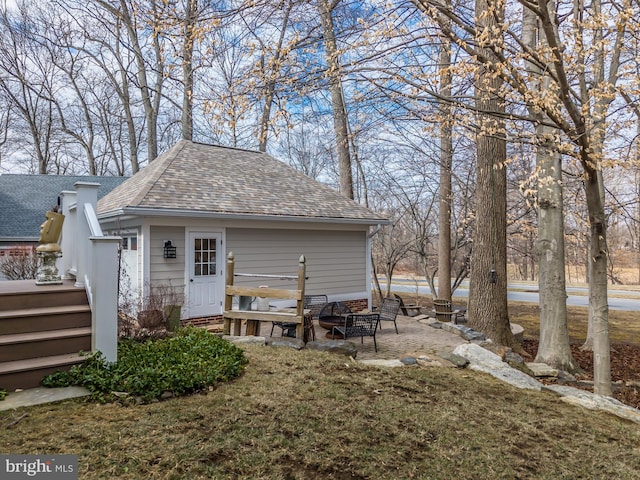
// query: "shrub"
[[190, 361], [150, 317], [19, 263]]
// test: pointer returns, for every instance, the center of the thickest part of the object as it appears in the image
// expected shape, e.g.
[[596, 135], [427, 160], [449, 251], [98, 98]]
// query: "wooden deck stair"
[[42, 329]]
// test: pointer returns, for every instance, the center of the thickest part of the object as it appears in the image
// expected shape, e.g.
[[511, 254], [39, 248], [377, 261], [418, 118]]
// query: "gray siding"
[[167, 271], [336, 260]]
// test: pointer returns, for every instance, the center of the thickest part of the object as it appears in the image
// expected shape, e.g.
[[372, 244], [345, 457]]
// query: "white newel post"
[[86, 192], [104, 289], [68, 241]]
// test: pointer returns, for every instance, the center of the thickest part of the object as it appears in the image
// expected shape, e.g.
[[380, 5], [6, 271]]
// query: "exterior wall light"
[[169, 250]]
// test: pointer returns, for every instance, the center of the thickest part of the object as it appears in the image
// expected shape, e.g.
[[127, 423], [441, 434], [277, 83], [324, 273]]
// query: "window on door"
[[204, 260]]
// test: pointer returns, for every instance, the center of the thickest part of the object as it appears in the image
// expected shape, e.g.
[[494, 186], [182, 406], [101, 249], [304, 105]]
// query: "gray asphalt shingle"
[[26, 198], [206, 178]]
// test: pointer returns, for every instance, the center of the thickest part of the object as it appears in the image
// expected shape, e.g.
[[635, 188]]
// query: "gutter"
[[375, 232], [155, 212]]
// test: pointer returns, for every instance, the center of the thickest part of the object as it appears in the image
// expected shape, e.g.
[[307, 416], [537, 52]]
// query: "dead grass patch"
[[297, 415], [624, 326]]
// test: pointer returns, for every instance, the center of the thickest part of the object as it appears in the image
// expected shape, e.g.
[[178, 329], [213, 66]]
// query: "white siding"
[[336, 260], [167, 271]]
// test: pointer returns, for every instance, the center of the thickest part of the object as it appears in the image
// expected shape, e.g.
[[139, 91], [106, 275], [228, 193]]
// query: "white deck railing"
[[91, 258]]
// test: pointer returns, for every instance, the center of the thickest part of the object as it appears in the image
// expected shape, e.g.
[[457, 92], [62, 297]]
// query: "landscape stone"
[[478, 355], [499, 350], [518, 332], [566, 377], [383, 363], [457, 360], [451, 327], [542, 370], [593, 401], [512, 358], [472, 336], [409, 361], [483, 360], [245, 340], [342, 347], [288, 342], [40, 395]]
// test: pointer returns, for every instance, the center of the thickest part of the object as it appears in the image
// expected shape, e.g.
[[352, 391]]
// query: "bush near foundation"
[[191, 361]]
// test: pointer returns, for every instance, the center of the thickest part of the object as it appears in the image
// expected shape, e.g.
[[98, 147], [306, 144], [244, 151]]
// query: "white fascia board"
[[156, 212]]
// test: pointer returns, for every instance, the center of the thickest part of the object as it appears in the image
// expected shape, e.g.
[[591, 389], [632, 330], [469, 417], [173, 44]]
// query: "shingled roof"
[[220, 181], [26, 198]]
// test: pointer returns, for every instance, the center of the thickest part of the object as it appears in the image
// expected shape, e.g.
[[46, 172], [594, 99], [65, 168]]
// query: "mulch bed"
[[625, 368]]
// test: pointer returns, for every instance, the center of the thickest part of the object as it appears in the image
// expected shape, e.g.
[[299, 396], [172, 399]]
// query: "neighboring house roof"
[[207, 180], [26, 198]]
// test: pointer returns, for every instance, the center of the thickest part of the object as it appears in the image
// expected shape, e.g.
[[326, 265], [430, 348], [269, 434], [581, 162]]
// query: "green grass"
[[296, 415]]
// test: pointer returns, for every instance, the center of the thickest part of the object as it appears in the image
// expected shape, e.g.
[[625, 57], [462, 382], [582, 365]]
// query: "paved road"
[[577, 296]]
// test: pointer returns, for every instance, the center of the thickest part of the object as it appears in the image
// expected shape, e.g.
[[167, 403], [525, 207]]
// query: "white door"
[[129, 264], [205, 274]]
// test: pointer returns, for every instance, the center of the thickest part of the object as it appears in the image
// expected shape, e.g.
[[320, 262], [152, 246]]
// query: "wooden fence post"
[[228, 299]]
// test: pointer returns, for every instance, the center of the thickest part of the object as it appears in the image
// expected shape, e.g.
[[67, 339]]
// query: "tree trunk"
[[598, 301], [488, 281], [337, 99], [446, 161], [187, 68], [554, 345], [270, 82]]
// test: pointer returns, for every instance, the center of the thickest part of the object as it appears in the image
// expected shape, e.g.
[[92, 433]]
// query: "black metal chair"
[[311, 302], [388, 311], [359, 325]]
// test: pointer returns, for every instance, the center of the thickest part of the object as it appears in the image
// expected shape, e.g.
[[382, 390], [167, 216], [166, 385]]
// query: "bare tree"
[[553, 347], [25, 79], [340, 120]]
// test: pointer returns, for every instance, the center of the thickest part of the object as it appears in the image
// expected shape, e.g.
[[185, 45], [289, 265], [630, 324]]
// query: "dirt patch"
[[625, 368]]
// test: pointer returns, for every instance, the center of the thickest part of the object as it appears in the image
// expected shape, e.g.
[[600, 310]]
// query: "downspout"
[[370, 266]]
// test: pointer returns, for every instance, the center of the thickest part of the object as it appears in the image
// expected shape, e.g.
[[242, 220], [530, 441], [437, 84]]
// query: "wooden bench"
[[254, 317]]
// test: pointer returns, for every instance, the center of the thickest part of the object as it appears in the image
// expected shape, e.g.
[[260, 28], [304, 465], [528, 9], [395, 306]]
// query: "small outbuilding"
[[187, 210]]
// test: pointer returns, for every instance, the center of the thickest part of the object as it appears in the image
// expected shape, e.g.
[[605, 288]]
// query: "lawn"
[[295, 415]]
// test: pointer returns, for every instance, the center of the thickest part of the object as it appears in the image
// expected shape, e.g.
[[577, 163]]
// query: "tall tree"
[[488, 281], [553, 347], [334, 76], [446, 164], [586, 58]]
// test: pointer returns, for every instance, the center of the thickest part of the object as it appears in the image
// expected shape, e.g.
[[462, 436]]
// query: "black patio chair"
[[388, 311], [358, 325], [311, 302]]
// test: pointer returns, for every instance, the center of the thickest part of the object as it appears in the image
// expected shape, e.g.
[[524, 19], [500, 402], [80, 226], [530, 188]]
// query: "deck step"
[[23, 346], [21, 374], [44, 318], [23, 294], [34, 312]]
